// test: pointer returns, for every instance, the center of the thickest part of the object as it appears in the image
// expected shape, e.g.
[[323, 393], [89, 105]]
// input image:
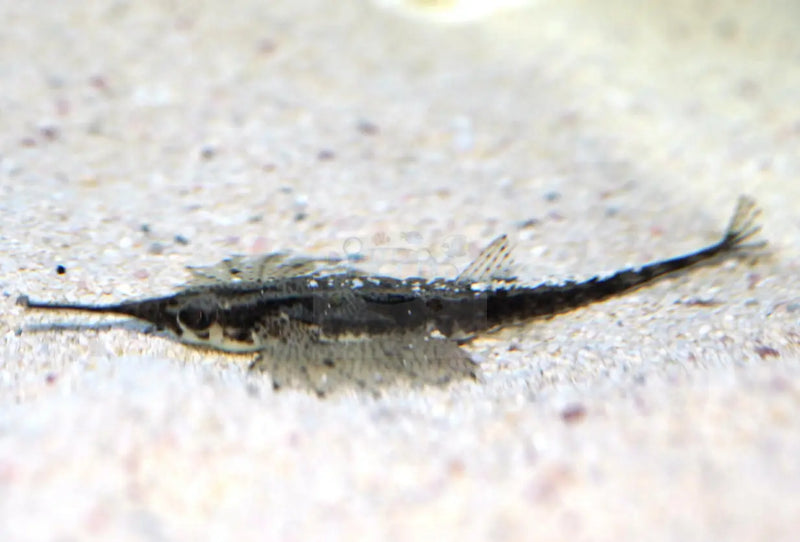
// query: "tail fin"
[[742, 227]]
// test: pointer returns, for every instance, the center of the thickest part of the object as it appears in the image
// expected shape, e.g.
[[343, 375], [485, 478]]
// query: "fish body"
[[319, 313]]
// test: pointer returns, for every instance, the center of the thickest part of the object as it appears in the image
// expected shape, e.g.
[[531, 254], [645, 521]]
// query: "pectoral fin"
[[370, 364]]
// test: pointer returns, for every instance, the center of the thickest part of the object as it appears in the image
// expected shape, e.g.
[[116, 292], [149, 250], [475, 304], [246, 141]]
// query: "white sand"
[[627, 133]]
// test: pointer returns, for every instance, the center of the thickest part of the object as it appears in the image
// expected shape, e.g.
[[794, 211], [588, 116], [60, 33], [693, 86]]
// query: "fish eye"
[[195, 317]]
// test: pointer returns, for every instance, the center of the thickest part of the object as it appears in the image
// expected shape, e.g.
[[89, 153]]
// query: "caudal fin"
[[743, 226]]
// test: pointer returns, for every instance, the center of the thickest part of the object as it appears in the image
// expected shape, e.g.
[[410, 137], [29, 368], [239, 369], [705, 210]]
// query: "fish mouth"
[[157, 311]]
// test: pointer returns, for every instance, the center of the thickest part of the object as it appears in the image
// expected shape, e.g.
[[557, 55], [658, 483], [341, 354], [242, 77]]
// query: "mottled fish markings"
[[320, 324]]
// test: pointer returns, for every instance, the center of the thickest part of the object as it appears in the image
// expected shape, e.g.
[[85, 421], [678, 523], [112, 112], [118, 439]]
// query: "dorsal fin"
[[493, 263], [265, 268]]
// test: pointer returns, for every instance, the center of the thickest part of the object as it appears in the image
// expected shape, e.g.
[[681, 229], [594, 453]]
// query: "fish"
[[322, 325]]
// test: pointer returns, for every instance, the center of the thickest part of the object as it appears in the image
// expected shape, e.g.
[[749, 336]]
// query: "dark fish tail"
[[506, 306]]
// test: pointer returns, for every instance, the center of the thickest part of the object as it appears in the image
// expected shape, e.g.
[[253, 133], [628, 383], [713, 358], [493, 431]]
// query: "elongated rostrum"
[[319, 323]]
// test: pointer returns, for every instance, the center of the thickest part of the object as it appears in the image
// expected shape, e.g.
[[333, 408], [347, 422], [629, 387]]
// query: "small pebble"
[[573, 413], [266, 46], [49, 132], [552, 196], [367, 128], [181, 240], [530, 223], [207, 152], [767, 352]]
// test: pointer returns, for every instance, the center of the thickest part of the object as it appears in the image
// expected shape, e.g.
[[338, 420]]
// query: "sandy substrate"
[[139, 137]]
